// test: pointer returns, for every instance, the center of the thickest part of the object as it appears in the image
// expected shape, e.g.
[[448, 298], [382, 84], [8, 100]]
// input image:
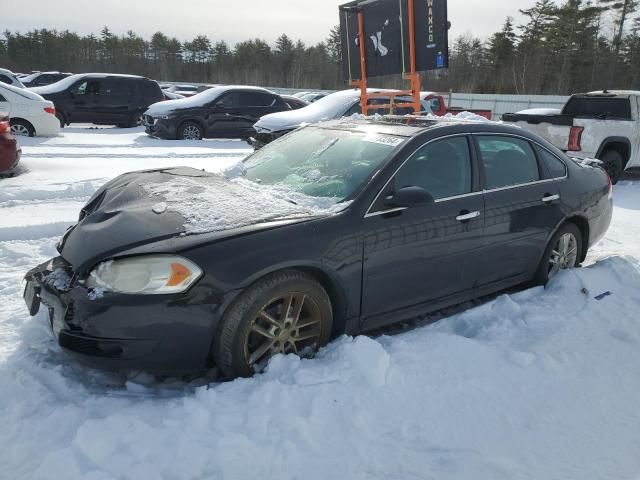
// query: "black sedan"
[[219, 112], [339, 227]]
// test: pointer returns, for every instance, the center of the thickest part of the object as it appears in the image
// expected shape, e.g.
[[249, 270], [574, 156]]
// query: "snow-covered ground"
[[537, 384]]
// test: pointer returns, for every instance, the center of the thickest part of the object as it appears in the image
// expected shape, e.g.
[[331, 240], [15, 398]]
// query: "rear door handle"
[[466, 216], [550, 198]]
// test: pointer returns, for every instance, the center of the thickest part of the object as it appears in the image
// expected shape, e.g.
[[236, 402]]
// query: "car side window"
[[5, 79], [231, 100], [87, 88], [555, 166], [356, 108], [122, 88], [258, 99], [2, 99], [443, 168], [508, 161]]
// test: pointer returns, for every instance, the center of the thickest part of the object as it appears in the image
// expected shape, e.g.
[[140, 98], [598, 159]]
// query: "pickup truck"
[[438, 106], [604, 125]]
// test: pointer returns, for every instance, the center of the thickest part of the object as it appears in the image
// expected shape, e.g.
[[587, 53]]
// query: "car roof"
[[608, 93], [412, 125]]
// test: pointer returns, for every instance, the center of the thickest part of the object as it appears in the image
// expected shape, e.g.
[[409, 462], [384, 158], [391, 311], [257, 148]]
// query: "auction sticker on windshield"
[[389, 140]]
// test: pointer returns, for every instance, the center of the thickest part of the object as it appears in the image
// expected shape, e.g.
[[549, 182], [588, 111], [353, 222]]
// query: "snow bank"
[[526, 386]]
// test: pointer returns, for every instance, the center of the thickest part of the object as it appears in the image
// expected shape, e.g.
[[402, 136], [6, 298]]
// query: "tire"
[[240, 351], [190, 131], [613, 164], [547, 269], [22, 128], [135, 120], [61, 119]]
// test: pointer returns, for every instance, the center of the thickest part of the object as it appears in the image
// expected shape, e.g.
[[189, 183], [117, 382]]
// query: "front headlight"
[[153, 274]]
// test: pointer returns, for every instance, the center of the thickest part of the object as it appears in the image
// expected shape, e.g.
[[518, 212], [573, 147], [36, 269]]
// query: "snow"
[[541, 111], [211, 204], [541, 383], [328, 108]]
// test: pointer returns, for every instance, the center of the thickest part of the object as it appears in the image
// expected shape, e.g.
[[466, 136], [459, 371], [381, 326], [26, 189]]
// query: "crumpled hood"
[[142, 208]]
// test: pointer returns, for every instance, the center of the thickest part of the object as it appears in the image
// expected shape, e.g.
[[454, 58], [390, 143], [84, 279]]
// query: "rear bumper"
[[151, 333]]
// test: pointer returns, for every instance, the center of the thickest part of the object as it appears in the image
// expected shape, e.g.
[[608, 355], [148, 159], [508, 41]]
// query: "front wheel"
[[190, 131], [563, 252], [287, 312]]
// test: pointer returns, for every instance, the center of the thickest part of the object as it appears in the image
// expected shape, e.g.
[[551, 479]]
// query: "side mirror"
[[409, 197], [219, 104]]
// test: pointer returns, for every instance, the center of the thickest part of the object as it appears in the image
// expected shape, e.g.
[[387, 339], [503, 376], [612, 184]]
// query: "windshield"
[[321, 162]]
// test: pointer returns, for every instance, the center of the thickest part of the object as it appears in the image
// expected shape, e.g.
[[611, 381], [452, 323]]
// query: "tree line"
[[560, 48]]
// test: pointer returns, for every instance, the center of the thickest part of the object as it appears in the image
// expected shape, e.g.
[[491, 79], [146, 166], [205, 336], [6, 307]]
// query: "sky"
[[230, 20]]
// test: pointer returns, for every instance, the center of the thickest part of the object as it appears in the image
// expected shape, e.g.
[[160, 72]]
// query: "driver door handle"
[[465, 216], [550, 198]]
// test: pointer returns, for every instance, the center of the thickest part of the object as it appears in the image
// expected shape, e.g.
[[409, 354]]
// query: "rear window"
[[555, 166], [599, 107]]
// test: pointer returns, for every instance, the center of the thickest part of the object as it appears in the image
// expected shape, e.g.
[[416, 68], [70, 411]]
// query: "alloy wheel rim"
[[191, 133], [564, 254], [20, 130], [289, 323]]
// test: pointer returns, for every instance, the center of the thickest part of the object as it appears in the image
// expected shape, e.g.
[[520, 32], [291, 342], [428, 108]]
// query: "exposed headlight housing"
[[145, 275]]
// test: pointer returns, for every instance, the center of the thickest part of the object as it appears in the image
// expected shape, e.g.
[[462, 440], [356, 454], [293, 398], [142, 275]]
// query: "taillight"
[[5, 127], [610, 186], [575, 137], [50, 110]]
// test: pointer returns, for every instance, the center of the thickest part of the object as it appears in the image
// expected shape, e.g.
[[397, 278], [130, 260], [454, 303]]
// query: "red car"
[[9, 150]]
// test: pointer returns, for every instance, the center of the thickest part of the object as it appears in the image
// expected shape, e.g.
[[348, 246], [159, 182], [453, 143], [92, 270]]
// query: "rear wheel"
[[22, 128], [563, 252], [287, 312], [61, 119], [135, 120], [190, 131], [613, 164]]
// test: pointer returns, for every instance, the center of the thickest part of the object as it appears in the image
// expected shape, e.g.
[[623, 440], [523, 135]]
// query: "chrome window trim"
[[391, 177], [509, 187], [471, 194]]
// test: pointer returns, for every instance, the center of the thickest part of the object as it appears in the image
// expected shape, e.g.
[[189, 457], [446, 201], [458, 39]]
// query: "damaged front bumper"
[[120, 332]]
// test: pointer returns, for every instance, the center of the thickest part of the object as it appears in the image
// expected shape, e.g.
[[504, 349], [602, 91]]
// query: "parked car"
[[30, 113], [9, 149], [102, 98], [437, 105], [294, 102], [172, 95], [185, 90], [603, 125], [340, 227], [313, 97], [221, 112], [9, 78], [337, 105], [40, 79]]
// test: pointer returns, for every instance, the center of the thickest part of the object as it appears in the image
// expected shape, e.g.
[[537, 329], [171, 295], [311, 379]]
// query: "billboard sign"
[[386, 34]]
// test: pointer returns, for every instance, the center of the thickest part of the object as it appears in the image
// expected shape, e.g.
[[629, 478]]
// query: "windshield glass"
[[321, 162]]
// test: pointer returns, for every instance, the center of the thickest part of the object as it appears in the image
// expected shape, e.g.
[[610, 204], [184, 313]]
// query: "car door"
[[82, 103], [225, 115], [114, 98], [427, 257], [522, 205]]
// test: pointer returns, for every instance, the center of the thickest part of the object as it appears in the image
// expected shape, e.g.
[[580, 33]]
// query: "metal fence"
[[501, 104], [498, 104]]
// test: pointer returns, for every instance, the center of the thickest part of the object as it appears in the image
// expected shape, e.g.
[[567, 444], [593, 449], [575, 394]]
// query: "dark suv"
[[220, 112], [103, 99]]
